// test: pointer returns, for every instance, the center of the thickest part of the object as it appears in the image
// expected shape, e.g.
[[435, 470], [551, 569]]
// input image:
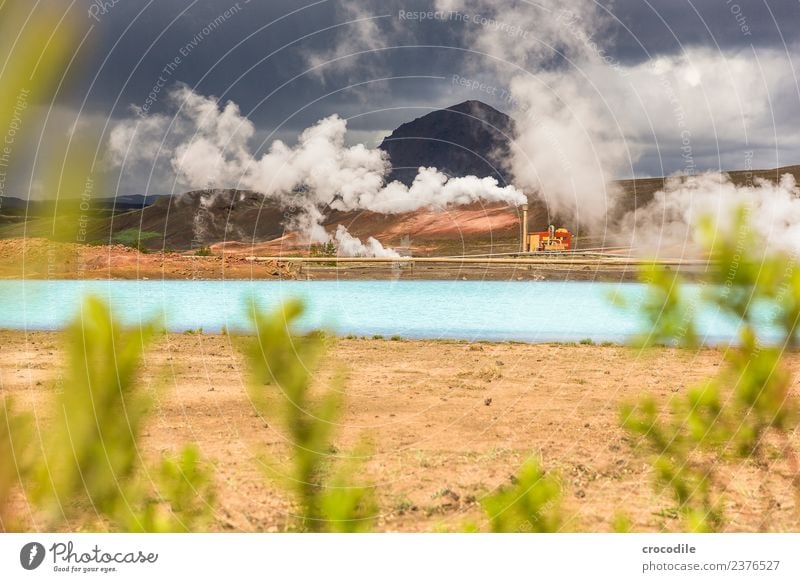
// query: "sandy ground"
[[448, 423], [37, 258]]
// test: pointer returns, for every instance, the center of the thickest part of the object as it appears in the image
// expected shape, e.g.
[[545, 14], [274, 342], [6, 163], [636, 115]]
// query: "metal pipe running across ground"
[[490, 261]]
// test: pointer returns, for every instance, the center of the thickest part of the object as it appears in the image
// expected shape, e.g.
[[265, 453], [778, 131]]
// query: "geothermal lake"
[[498, 311]]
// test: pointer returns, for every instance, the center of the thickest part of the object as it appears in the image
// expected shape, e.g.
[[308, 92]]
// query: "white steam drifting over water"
[[209, 145]]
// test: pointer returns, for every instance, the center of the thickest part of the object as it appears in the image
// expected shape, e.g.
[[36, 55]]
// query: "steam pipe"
[[524, 246]]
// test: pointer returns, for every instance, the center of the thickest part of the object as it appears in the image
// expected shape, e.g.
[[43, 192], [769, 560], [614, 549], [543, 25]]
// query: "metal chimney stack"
[[524, 245]]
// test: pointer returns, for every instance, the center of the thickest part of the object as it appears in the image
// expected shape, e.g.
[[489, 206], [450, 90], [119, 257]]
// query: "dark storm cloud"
[[653, 28], [218, 47], [134, 40], [257, 54]]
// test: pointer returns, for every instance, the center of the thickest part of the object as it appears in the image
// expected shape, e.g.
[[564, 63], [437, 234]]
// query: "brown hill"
[[640, 191], [242, 222]]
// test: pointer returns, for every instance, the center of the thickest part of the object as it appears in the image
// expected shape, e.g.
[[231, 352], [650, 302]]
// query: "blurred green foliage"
[[669, 319], [744, 413], [15, 438], [319, 479], [83, 468], [531, 504]]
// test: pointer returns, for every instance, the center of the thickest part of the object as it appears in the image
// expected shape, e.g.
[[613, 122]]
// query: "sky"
[[685, 86]]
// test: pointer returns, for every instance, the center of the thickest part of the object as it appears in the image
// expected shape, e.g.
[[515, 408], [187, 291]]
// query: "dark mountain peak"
[[480, 110], [470, 138], [470, 105]]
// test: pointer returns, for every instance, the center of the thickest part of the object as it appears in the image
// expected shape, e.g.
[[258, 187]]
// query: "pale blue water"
[[523, 311]]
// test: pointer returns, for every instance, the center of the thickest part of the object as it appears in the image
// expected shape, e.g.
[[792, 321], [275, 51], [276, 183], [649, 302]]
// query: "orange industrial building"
[[551, 240]]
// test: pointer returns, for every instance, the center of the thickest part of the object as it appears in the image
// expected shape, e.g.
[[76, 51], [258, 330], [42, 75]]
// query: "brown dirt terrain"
[[448, 423], [243, 219], [38, 258]]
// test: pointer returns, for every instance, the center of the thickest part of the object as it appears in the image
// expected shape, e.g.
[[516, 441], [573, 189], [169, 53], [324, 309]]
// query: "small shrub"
[[87, 471], [746, 412], [321, 484], [531, 504], [204, 252], [327, 249], [134, 238]]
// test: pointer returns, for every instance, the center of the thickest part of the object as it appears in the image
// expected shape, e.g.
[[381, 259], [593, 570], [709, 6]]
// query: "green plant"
[[16, 432], [185, 495], [327, 249], [669, 319], [320, 482], [134, 238], [87, 470], [746, 412], [83, 469], [530, 504], [204, 252], [587, 342], [403, 506]]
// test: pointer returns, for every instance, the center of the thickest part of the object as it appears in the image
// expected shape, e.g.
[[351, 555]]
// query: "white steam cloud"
[[350, 246], [567, 146], [584, 119], [208, 145], [667, 225]]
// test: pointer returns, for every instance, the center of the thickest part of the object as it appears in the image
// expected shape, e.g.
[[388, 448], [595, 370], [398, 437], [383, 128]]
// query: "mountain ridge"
[[469, 138]]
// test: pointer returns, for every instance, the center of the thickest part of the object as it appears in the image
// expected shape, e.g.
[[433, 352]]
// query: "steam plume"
[[350, 246], [667, 225], [567, 147], [209, 145], [583, 119]]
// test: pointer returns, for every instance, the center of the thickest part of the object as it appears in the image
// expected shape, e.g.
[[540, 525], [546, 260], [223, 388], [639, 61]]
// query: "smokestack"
[[524, 246]]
